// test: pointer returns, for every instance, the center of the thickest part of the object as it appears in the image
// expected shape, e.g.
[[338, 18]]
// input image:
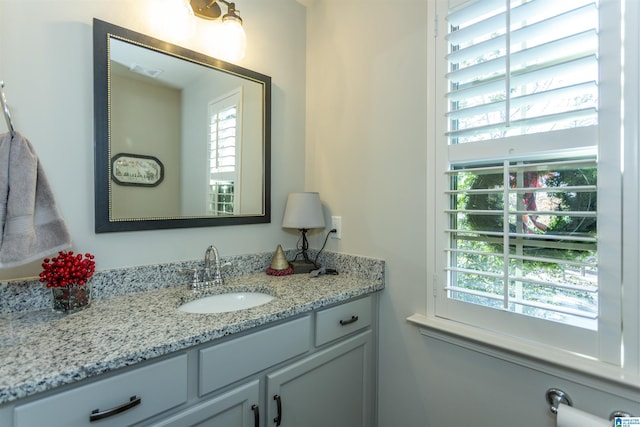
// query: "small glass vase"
[[71, 298]]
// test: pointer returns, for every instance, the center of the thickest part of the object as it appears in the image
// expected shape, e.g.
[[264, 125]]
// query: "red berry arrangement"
[[66, 269]]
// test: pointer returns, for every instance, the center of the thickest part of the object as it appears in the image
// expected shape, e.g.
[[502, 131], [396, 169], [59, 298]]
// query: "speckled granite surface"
[[26, 295], [41, 350]]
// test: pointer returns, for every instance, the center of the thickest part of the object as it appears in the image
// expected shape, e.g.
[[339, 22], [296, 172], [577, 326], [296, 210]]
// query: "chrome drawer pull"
[[97, 414], [349, 321]]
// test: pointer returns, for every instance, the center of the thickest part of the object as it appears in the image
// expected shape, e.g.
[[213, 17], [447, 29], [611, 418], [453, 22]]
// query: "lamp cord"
[[305, 246], [315, 261]]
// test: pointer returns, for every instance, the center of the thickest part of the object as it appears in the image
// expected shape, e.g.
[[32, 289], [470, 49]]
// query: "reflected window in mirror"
[[225, 141]]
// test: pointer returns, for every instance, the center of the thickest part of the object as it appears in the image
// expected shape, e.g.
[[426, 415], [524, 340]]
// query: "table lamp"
[[303, 212]]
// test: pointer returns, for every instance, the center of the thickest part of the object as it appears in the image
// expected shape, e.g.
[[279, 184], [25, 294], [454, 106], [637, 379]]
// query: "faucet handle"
[[195, 282]]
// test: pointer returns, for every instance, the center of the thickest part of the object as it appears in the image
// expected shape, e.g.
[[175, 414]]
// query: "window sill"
[[549, 360]]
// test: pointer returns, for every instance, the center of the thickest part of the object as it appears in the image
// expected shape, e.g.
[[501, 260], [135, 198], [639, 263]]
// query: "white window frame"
[[608, 360], [231, 99]]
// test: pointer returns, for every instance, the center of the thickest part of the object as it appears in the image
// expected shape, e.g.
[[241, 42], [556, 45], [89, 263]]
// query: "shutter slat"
[[569, 188], [575, 46], [540, 97], [548, 307], [525, 258], [530, 166], [524, 236], [518, 124], [573, 21], [548, 284], [575, 66], [585, 214], [471, 10]]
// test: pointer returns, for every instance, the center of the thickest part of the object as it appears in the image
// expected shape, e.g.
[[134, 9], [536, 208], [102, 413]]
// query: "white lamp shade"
[[303, 211]]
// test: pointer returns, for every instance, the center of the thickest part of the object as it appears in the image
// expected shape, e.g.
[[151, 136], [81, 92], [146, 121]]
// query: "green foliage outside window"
[[540, 196]]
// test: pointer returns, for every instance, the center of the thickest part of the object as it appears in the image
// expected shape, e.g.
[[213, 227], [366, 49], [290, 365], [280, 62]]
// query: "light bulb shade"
[[173, 19], [234, 39], [232, 14], [303, 211]]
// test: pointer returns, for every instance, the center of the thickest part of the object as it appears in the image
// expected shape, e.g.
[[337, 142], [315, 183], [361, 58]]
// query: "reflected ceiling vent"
[[145, 71]]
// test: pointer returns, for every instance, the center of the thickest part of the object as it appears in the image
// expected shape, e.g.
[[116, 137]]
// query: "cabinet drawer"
[[336, 322], [159, 386], [225, 363]]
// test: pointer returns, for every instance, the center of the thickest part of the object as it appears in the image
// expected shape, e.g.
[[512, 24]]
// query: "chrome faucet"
[[212, 277]]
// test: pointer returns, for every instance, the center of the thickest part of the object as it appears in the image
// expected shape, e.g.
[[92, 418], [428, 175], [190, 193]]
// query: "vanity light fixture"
[[232, 31], [210, 9], [303, 211]]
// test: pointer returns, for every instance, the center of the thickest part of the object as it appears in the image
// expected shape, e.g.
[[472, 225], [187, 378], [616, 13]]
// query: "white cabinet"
[[333, 387], [320, 367]]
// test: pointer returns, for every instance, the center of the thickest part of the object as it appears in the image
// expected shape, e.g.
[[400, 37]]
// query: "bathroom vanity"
[[307, 358]]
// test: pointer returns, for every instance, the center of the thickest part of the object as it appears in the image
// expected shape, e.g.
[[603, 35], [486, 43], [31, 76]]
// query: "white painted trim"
[[631, 189], [549, 360]]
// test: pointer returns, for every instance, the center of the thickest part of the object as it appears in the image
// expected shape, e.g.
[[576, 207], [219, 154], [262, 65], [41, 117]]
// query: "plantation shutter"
[[222, 140], [528, 146], [522, 177], [521, 67], [223, 156], [523, 239]]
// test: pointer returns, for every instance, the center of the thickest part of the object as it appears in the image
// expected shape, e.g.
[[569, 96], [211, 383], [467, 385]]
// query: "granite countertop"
[[41, 350]]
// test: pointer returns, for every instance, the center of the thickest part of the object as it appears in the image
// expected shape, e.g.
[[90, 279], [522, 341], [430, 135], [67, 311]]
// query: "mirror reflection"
[[186, 137]]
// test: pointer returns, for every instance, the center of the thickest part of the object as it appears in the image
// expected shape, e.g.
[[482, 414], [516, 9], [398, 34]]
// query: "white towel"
[[32, 227], [569, 416]]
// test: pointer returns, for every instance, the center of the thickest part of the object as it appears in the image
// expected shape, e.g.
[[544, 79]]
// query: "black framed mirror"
[[201, 124]]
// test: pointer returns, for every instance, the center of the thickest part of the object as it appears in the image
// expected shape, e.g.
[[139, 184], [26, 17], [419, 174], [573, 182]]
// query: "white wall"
[[46, 63], [131, 134], [366, 154]]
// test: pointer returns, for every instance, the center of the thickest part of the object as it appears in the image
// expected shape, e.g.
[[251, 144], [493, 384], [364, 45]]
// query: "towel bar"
[[619, 414], [555, 397]]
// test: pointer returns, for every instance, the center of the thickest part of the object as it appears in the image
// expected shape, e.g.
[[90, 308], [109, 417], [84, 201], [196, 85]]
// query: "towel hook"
[[7, 112], [555, 397]]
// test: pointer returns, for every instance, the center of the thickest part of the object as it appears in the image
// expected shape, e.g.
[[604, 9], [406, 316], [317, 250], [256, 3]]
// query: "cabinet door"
[[334, 387], [235, 408]]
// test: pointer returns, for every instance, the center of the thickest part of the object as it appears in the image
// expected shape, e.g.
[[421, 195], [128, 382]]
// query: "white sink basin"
[[224, 303]]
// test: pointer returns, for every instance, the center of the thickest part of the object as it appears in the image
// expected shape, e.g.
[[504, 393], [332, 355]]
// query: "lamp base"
[[303, 267]]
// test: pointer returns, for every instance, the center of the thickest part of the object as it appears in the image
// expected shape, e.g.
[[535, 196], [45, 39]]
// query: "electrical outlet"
[[336, 224]]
